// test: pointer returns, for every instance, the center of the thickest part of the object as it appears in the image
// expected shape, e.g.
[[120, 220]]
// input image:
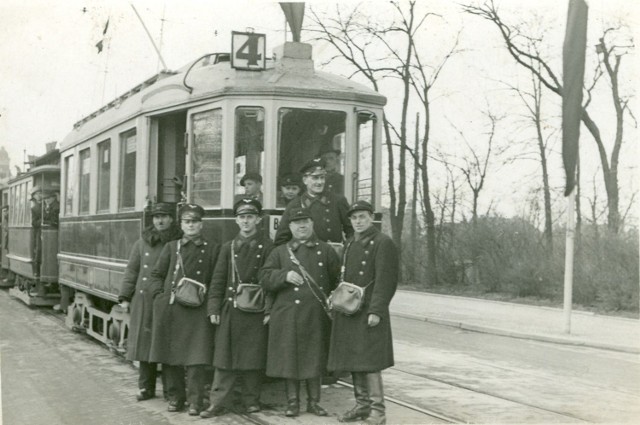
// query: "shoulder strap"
[[178, 265], [313, 286], [235, 274]]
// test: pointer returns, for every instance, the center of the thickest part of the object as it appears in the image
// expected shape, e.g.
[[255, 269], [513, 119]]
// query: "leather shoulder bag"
[[347, 298], [187, 292], [248, 297]]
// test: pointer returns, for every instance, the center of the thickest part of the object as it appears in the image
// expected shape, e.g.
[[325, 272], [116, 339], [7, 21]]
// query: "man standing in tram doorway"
[[327, 210], [135, 294], [362, 343], [241, 337], [299, 275]]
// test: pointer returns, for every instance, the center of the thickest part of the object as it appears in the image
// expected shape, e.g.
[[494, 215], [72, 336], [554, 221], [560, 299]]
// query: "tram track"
[[490, 394]]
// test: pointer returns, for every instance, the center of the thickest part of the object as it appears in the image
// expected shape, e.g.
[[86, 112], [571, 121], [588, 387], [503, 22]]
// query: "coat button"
[[364, 262], [260, 246], [144, 278], [145, 266], [371, 242], [258, 256], [202, 251], [366, 252], [297, 301], [296, 289], [327, 210], [360, 272], [231, 288], [199, 261], [230, 298], [320, 264], [141, 291], [205, 243], [198, 272], [146, 253], [319, 252]]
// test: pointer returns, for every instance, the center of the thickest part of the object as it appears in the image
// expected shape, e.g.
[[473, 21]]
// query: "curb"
[[519, 335]]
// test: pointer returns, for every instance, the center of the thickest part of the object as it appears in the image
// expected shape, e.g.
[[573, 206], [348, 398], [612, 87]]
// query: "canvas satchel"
[[249, 297], [187, 292]]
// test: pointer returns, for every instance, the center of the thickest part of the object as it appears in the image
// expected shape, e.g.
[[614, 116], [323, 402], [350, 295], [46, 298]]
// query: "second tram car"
[[190, 136]]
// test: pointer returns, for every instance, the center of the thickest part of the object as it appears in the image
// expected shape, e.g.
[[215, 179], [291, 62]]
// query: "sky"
[[51, 74]]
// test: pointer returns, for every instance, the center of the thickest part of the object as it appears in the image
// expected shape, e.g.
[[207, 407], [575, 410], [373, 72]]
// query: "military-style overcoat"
[[241, 337], [135, 288], [329, 214], [356, 347], [299, 327], [182, 336]]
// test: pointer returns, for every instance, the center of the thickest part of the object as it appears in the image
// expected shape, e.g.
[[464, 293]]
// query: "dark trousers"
[[147, 377], [225, 381], [191, 389]]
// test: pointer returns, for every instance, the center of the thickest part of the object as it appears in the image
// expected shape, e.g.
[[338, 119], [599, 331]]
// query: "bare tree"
[[610, 53]]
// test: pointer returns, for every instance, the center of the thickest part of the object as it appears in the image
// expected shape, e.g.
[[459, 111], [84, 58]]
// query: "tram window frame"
[[104, 176], [335, 121], [240, 167], [84, 181], [128, 169], [365, 117], [205, 160], [69, 170]]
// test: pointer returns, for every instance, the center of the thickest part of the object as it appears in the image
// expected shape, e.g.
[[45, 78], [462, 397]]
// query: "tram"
[[30, 244], [189, 136]]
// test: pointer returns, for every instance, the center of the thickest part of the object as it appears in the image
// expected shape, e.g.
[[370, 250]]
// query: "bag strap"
[[175, 272], [322, 299], [344, 266], [234, 273]]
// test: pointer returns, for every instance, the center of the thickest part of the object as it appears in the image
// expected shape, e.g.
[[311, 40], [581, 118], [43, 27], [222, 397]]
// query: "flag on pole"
[[294, 13], [100, 44], [573, 54]]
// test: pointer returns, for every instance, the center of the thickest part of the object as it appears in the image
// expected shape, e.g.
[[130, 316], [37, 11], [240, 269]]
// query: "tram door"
[[171, 157]]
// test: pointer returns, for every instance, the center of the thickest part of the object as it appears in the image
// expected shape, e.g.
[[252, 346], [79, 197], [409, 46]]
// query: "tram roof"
[[34, 171], [284, 78]]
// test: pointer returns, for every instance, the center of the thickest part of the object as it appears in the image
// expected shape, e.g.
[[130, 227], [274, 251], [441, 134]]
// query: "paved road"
[[479, 377]]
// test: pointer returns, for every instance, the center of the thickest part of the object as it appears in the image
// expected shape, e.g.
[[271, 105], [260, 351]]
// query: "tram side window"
[[206, 158], [104, 174], [365, 178], [85, 177], [128, 149], [304, 134], [249, 151], [68, 181]]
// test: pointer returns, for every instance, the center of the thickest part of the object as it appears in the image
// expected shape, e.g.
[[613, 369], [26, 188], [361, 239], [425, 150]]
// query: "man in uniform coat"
[[334, 180], [182, 336], [299, 324], [362, 343], [36, 231], [328, 210], [135, 294], [241, 337]]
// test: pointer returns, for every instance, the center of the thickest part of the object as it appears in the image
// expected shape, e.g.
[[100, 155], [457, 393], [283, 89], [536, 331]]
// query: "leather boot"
[[363, 403], [313, 397], [376, 392], [292, 390]]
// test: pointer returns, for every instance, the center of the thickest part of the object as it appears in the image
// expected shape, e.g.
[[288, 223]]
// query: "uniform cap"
[[291, 180], [35, 189], [299, 213], [247, 206], [316, 164], [251, 176], [360, 206], [162, 208], [191, 212]]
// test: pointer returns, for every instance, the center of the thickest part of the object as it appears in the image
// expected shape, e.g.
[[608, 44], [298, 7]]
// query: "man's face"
[[162, 221], [247, 223], [331, 161], [301, 229], [315, 182], [252, 187], [190, 227], [361, 221], [290, 191]]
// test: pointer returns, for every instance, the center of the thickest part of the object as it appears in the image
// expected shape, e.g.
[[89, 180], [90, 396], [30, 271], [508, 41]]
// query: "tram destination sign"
[[248, 50]]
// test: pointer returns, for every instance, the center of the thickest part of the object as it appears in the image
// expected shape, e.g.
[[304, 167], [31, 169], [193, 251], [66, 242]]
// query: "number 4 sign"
[[248, 50]]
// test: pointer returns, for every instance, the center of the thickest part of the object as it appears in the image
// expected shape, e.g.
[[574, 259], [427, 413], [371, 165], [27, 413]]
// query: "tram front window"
[[305, 134], [364, 178], [249, 152], [206, 157]]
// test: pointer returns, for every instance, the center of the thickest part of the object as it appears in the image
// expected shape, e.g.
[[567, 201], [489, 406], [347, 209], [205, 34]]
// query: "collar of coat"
[[367, 235], [197, 241], [294, 244], [308, 200], [240, 240]]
